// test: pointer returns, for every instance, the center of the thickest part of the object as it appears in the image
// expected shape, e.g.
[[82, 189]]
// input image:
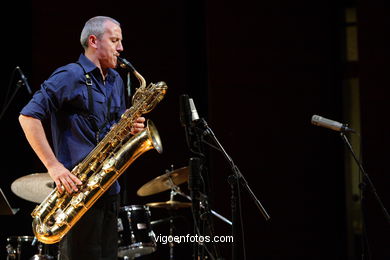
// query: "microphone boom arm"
[[373, 189], [203, 126]]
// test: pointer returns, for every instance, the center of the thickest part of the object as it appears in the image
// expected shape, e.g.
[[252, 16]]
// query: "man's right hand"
[[36, 136], [64, 178]]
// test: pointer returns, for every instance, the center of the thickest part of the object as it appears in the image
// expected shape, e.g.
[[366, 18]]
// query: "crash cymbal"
[[170, 204], [163, 183], [33, 187]]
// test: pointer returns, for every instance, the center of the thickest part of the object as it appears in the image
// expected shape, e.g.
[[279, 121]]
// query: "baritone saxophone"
[[59, 212]]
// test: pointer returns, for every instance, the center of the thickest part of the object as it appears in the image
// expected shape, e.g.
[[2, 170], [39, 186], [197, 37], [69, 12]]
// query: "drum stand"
[[171, 244], [5, 208], [41, 254], [176, 190]]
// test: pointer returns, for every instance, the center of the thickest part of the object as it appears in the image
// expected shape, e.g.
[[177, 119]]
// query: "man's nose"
[[119, 47]]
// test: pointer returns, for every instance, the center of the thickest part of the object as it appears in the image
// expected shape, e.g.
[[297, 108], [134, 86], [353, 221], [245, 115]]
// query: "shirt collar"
[[89, 66]]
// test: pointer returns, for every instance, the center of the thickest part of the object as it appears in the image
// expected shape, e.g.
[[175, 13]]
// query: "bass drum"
[[136, 237]]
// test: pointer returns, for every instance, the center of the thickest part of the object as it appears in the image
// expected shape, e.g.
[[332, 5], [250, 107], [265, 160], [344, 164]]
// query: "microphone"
[[194, 112], [334, 125], [185, 111], [196, 121], [24, 79]]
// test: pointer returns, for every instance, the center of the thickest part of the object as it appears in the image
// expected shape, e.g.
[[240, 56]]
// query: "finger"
[[139, 125], [66, 185], [75, 179], [141, 119], [72, 184], [58, 185], [136, 131]]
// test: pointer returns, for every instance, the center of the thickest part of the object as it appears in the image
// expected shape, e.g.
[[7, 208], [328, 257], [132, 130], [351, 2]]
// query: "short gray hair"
[[94, 26]]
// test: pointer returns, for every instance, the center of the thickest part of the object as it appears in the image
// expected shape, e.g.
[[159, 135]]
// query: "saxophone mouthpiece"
[[125, 64]]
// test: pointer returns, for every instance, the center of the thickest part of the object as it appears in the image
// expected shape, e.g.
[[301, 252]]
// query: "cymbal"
[[33, 187], [162, 183], [170, 204]]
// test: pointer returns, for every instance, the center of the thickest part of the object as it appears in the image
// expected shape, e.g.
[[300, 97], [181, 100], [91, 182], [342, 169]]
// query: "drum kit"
[[136, 237]]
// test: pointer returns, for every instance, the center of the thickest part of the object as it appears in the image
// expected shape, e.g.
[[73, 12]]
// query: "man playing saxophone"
[[83, 100]]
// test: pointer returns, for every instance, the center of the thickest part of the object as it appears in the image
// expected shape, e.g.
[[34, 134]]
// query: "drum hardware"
[[171, 244], [43, 251], [171, 180], [171, 203], [176, 190], [5, 207], [33, 187], [28, 248], [163, 220]]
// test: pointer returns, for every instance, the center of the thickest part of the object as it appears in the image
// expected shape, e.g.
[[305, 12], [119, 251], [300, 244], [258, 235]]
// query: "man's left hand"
[[138, 125]]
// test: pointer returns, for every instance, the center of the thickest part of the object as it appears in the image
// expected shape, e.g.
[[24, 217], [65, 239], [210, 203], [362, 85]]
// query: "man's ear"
[[92, 41]]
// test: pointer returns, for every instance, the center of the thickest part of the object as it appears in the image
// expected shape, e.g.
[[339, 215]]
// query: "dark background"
[[257, 71]]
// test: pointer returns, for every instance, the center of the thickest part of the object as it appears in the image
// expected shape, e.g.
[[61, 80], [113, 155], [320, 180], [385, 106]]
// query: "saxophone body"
[[59, 212]]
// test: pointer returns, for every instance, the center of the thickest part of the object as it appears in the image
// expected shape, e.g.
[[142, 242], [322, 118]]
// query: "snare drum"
[[136, 237]]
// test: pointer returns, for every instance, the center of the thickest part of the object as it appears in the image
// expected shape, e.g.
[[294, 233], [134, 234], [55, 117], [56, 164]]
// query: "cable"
[[9, 88], [365, 246], [241, 218], [7, 102]]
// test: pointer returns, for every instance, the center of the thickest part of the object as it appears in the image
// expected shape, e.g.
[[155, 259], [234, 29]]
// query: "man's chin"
[[112, 65]]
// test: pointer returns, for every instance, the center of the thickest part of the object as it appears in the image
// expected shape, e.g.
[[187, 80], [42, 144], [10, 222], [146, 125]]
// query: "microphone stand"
[[19, 84], [194, 187], [234, 180], [199, 197], [366, 176]]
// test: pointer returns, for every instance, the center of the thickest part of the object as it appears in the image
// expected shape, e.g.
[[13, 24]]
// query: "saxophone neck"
[[141, 79]]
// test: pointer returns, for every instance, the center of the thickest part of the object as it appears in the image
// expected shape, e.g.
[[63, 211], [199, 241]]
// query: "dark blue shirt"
[[64, 98]]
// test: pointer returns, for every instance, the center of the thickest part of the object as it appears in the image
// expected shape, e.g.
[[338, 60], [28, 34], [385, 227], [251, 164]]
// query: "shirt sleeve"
[[51, 95]]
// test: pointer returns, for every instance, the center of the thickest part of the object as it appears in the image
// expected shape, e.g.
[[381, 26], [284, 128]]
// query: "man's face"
[[109, 46]]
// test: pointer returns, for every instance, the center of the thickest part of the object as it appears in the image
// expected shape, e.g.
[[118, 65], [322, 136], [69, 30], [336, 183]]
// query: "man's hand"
[[138, 125], [64, 178]]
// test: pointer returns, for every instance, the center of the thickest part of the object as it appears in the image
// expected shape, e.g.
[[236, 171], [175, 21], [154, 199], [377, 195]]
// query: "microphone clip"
[[23, 80], [201, 125]]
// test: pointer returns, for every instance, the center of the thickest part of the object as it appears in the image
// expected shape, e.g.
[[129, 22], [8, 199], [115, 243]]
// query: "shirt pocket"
[[99, 105]]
